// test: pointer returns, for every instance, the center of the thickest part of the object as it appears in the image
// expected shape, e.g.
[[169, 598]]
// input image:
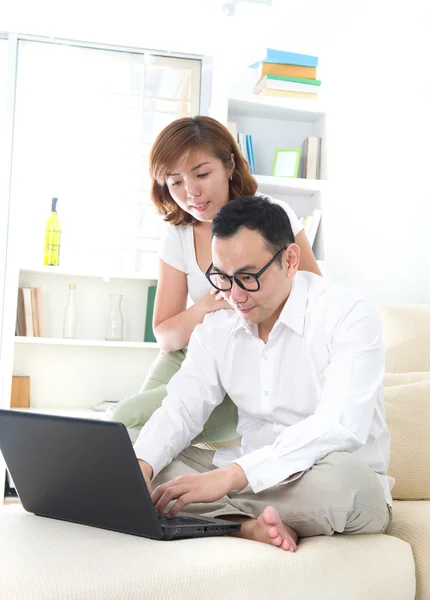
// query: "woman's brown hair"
[[179, 139]]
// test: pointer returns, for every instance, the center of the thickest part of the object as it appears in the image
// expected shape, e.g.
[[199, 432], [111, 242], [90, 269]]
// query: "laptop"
[[85, 471]]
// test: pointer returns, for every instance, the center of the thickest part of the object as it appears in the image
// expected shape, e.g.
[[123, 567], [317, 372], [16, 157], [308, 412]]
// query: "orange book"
[[287, 71], [288, 94]]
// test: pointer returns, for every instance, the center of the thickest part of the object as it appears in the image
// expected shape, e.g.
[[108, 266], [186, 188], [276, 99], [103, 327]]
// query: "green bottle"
[[52, 237]]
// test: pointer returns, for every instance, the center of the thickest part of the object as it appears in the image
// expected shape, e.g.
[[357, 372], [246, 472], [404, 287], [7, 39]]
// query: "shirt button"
[[266, 393], [260, 483], [265, 356]]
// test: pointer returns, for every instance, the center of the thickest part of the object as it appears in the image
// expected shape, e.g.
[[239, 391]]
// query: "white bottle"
[[70, 315]]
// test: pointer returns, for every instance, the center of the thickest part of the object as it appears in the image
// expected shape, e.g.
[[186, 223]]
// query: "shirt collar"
[[294, 312]]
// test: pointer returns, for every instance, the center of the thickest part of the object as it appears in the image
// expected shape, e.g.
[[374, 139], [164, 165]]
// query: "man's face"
[[247, 251]]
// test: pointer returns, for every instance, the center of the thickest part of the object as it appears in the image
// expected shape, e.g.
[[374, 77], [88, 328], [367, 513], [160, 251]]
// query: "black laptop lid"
[[79, 470]]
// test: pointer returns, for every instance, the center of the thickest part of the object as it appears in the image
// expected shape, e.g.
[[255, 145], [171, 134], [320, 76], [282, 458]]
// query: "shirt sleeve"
[[343, 419], [192, 394], [296, 225], [172, 249]]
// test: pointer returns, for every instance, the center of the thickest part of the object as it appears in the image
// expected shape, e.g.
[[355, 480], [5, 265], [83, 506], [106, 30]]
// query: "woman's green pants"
[[135, 411]]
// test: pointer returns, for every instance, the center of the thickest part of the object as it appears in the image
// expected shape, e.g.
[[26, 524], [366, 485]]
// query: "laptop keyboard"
[[181, 521]]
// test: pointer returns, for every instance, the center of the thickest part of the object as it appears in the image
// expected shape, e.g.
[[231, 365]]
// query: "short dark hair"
[[257, 213]]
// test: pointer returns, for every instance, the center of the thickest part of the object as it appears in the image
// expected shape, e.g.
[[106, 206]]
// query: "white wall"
[[186, 26], [375, 70], [373, 60]]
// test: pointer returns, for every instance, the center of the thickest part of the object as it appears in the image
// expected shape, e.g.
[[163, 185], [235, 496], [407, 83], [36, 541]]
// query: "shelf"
[[266, 107], [106, 277], [80, 413], [289, 185], [41, 341]]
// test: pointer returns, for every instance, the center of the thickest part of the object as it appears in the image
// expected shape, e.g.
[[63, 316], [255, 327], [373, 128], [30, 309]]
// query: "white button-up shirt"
[[315, 387]]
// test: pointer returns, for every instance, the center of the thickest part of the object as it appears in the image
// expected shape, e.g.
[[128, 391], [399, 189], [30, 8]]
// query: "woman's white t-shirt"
[[177, 249]]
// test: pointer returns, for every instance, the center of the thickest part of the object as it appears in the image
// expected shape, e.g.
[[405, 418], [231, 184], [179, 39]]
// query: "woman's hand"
[[214, 300]]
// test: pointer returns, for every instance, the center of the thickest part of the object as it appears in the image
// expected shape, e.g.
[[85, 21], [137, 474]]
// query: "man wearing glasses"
[[303, 361]]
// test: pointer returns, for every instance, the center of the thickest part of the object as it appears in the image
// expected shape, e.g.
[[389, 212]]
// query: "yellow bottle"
[[52, 237]]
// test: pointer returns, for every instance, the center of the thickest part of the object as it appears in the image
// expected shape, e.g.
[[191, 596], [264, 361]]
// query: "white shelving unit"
[[45, 341], [80, 413], [285, 185], [73, 273], [71, 376], [267, 107], [284, 123]]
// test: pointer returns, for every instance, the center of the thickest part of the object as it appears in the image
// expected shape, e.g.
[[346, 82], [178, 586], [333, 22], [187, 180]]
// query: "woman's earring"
[[231, 177]]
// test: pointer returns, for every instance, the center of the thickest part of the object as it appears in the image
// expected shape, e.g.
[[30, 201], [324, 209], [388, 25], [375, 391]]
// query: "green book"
[[149, 333], [294, 79]]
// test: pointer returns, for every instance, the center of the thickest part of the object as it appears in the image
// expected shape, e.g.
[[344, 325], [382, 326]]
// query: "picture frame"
[[286, 162]]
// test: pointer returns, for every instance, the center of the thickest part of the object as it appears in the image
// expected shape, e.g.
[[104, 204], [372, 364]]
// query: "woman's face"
[[200, 185]]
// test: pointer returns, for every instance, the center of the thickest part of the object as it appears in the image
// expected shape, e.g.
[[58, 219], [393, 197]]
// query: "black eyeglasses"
[[247, 281]]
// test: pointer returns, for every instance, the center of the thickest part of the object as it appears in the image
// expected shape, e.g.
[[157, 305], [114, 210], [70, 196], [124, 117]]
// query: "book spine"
[[313, 157], [288, 86], [290, 58], [287, 71], [252, 155], [38, 297], [288, 94], [22, 329], [316, 82], [249, 154], [34, 312], [28, 311]]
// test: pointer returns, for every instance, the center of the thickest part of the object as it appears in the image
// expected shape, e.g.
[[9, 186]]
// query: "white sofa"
[[44, 559]]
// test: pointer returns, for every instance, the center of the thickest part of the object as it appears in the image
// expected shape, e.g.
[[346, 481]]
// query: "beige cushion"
[[411, 522], [406, 329], [408, 417], [402, 378], [44, 559]]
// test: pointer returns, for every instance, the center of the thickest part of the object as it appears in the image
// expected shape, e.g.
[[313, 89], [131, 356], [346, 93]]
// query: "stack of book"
[[28, 321], [288, 75], [244, 141]]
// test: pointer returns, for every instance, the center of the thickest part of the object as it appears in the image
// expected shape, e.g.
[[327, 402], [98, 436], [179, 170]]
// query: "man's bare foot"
[[269, 529]]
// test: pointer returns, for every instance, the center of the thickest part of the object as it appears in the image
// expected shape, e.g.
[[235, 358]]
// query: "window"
[[84, 123]]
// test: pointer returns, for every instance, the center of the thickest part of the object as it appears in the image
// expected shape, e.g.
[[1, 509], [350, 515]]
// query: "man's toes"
[[273, 531], [288, 545], [285, 545], [277, 541]]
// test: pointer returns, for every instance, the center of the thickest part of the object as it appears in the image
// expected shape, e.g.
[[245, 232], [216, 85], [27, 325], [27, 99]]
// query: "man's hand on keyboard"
[[205, 487]]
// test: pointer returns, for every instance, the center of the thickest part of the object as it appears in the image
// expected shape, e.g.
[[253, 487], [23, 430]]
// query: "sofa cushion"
[[408, 417], [402, 378], [406, 330], [411, 523], [44, 559]]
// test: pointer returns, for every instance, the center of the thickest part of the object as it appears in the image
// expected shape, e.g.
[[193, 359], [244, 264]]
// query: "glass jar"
[[114, 330]]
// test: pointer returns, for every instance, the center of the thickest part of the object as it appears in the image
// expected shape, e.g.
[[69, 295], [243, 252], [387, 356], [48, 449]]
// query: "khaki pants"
[[339, 494]]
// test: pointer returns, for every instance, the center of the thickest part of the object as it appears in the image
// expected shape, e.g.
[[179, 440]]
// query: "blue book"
[[288, 58], [250, 153]]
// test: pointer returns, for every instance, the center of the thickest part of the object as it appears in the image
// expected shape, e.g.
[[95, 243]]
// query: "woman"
[[196, 167]]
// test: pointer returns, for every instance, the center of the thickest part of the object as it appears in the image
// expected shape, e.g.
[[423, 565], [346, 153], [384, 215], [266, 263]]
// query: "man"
[[303, 361]]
